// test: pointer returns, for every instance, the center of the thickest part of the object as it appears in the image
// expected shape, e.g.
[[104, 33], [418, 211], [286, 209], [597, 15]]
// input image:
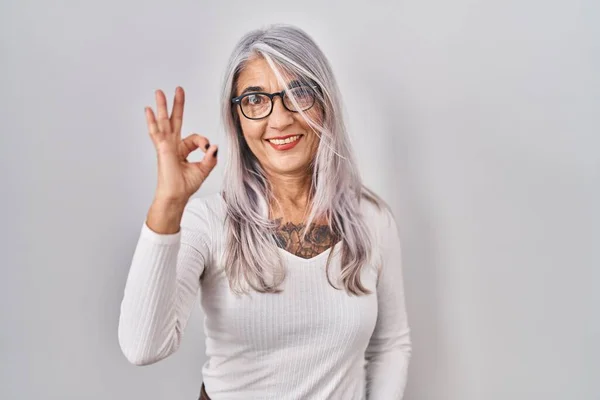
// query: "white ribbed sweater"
[[309, 342]]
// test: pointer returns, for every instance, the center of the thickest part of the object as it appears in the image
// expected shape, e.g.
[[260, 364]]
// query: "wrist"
[[164, 217], [169, 204]]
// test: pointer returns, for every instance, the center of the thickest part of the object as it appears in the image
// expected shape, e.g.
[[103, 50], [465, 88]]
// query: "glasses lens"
[[256, 105], [304, 96]]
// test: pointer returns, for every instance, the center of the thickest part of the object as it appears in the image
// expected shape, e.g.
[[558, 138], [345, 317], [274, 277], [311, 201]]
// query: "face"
[[283, 142]]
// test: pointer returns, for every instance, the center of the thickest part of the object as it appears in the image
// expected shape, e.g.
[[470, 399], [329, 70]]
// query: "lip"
[[284, 137], [286, 146]]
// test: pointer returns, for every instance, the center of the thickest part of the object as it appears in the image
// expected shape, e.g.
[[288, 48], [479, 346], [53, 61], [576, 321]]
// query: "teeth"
[[285, 141]]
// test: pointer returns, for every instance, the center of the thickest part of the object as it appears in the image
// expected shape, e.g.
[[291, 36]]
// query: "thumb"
[[209, 161]]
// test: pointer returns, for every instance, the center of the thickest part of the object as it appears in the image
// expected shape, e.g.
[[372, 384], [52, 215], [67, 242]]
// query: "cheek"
[[315, 114], [318, 114], [252, 130]]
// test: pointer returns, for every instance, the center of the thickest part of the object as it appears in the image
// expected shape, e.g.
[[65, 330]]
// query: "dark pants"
[[203, 395]]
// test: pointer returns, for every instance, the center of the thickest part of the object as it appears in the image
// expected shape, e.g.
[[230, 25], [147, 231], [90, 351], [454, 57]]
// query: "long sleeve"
[[162, 286], [389, 350]]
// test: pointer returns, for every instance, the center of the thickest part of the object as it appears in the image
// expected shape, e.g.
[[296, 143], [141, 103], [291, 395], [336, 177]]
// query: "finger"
[[210, 157], [161, 112], [151, 121], [191, 143], [208, 162], [177, 113]]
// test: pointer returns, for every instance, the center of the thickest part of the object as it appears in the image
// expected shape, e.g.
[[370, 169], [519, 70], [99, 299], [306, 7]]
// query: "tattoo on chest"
[[318, 239]]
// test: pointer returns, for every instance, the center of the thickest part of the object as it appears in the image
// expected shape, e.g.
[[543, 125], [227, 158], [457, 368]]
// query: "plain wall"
[[478, 121]]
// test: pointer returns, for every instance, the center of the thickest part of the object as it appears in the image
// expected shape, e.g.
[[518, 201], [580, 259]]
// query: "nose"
[[280, 117]]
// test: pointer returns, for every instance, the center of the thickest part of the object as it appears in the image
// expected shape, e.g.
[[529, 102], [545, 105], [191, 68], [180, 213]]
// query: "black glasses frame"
[[271, 96]]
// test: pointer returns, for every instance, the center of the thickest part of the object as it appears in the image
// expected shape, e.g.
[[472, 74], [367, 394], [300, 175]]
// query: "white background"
[[478, 121]]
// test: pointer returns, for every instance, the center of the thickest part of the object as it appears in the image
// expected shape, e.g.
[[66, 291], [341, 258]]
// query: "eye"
[[302, 92], [304, 96], [255, 99]]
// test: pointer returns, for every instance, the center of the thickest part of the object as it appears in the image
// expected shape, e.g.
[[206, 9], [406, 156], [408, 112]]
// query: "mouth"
[[284, 142]]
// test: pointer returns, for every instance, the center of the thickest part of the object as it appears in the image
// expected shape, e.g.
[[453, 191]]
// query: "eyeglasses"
[[259, 105]]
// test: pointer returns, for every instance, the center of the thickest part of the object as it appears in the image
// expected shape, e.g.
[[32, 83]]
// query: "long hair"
[[251, 252]]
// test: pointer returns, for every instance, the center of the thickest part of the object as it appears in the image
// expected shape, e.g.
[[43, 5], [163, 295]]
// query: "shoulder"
[[204, 213], [208, 205], [377, 214], [381, 224]]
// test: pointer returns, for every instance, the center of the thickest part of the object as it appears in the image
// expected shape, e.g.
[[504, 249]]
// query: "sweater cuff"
[[159, 238]]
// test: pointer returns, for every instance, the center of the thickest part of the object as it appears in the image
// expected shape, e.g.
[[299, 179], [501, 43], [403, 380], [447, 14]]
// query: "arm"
[[162, 287], [389, 349]]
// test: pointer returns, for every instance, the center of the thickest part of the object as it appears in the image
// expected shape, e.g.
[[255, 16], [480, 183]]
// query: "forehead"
[[256, 69], [257, 73]]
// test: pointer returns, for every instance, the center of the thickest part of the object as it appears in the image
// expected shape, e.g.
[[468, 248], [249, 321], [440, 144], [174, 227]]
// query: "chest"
[[309, 311]]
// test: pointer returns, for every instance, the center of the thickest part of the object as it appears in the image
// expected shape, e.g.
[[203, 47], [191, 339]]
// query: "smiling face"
[[283, 142]]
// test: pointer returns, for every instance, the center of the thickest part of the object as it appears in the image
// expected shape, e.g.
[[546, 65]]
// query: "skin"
[[287, 171]]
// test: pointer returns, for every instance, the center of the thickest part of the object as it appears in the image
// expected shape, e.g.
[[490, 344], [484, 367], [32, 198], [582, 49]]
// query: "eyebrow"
[[296, 83], [291, 84], [252, 89]]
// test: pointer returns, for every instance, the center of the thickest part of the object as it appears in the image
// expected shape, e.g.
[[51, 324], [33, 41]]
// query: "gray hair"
[[251, 254]]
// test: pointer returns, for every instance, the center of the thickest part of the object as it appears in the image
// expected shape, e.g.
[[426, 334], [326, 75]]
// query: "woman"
[[297, 265]]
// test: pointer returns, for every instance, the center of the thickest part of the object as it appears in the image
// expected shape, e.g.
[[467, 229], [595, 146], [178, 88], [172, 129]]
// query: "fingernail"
[[207, 146], [216, 151]]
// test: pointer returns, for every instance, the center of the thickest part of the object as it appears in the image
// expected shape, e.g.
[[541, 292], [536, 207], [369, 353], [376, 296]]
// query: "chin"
[[288, 165]]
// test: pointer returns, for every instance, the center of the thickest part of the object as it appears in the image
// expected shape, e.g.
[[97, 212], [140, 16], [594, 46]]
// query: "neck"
[[291, 196]]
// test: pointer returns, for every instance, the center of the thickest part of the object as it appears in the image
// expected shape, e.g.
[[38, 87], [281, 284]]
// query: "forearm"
[[387, 368], [162, 286], [164, 216], [148, 309]]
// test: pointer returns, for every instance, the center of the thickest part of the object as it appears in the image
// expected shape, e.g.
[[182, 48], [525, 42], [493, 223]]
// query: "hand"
[[178, 179]]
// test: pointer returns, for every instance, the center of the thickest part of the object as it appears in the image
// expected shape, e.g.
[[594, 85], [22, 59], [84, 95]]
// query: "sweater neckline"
[[312, 259], [293, 256]]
